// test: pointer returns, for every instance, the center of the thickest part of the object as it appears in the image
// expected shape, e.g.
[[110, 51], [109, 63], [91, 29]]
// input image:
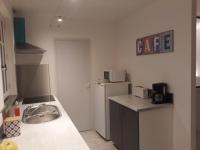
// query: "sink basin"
[[40, 114]]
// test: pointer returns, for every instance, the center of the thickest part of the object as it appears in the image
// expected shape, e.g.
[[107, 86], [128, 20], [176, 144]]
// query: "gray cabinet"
[[137, 124], [124, 127], [130, 129], [115, 124]]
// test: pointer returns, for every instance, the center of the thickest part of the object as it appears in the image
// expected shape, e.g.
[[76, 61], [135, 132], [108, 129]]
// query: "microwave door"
[[106, 75]]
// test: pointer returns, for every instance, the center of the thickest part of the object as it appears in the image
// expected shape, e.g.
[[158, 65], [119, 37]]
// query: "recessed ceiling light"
[[60, 19], [197, 73], [198, 24]]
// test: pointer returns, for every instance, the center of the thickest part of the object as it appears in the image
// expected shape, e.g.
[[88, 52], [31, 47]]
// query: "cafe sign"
[[157, 43]]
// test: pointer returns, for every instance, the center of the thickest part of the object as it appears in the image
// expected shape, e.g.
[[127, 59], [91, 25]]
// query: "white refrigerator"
[[102, 113]]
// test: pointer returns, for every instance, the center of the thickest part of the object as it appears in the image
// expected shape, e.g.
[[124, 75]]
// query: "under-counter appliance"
[[102, 113], [114, 75]]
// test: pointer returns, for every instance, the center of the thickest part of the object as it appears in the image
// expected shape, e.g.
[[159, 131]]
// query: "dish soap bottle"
[[17, 109]]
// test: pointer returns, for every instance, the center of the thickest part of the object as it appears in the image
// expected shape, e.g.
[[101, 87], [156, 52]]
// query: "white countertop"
[[135, 103], [59, 134], [112, 83]]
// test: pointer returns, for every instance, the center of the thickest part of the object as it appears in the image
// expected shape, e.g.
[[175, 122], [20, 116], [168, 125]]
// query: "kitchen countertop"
[[59, 134], [135, 103], [113, 83]]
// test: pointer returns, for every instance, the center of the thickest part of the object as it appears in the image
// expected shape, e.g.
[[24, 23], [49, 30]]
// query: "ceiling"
[[93, 10]]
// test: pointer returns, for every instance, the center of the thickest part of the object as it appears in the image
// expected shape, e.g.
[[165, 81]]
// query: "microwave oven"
[[114, 75]]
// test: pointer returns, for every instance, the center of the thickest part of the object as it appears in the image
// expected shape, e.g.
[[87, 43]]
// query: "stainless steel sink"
[[39, 114]]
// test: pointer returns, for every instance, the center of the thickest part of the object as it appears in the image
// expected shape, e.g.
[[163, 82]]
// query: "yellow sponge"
[[8, 145]]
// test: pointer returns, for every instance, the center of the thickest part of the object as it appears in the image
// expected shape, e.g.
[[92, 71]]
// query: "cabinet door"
[[130, 129], [116, 124], [3, 66]]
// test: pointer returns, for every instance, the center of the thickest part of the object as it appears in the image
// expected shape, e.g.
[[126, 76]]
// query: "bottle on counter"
[[17, 109]]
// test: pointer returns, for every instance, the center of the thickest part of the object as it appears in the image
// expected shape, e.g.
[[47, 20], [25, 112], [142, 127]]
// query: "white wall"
[[40, 32], [172, 68]]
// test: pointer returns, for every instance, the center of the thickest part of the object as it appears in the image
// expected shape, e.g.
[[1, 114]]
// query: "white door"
[[73, 80]]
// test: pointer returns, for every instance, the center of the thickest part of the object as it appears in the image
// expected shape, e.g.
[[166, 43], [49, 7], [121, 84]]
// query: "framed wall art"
[[157, 43]]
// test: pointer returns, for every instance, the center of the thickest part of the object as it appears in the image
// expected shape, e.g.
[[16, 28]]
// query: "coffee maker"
[[160, 93]]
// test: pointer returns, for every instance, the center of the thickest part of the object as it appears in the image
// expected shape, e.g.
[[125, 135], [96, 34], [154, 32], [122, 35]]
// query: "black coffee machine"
[[160, 94]]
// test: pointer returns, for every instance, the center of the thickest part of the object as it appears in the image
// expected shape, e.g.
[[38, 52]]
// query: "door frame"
[[193, 77]]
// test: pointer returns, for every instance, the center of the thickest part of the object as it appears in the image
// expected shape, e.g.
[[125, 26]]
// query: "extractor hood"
[[21, 46]]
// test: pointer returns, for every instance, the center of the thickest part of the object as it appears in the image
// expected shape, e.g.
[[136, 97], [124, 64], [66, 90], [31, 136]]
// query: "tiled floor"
[[95, 142]]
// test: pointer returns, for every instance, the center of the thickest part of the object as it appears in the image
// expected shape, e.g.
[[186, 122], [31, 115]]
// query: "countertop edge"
[[148, 106]]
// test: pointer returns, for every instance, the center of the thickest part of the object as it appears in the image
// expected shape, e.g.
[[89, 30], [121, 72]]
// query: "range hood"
[[27, 48], [21, 46]]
